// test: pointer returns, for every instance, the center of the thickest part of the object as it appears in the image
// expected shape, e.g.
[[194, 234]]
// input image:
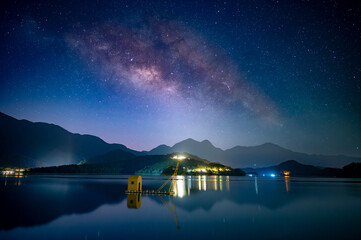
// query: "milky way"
[[167, 59], [144, 73]]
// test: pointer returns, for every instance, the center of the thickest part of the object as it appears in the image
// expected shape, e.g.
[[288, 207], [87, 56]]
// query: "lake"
[[205, 207]]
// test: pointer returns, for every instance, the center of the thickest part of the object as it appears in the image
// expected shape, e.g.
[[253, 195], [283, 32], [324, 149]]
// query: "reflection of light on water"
[[256, 184], [199, 183], [183, 185], [204, 180], [179, 187], [6, 178], [220, 183], [18, 180], [287, 181], [227, 183], [215, 182], [189, 182]]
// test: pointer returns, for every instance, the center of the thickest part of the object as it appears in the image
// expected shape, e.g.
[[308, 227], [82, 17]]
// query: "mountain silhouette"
[[27, 144], [205, 148], [110, 157], [120, 162], [264, 155], [294, 167]]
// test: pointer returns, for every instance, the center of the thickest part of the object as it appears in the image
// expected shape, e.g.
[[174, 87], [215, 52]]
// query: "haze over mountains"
[[27, 144], [264, 155]]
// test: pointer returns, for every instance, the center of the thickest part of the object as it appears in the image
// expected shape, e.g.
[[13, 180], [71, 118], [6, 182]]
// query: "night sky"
[[144, 73]]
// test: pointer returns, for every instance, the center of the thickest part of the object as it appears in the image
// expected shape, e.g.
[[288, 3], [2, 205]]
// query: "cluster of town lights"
[[13, 171], [271, 174], [209, 169]]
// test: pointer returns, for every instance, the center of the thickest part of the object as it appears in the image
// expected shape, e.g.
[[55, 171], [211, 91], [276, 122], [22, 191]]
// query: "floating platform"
[[149, 192]]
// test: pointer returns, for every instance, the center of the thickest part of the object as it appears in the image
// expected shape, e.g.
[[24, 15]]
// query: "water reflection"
[[18, 178], [225, 208], [204, 181], [134, 200], [33, 201], [227, 183], [171, 207], [17, 175], [287, 182], [256, 184], [199, 183], [179, 187], [184, 186]]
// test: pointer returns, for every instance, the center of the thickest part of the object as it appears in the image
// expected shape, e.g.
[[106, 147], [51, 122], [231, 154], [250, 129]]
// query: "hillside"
[[292, 166], [296, 169], [116, 162], [27, 144]]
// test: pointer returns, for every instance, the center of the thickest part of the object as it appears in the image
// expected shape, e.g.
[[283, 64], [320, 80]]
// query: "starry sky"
[[144, 73]]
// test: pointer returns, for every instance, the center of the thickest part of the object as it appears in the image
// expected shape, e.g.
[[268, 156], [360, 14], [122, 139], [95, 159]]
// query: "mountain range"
[[264, 155], [27, 144]]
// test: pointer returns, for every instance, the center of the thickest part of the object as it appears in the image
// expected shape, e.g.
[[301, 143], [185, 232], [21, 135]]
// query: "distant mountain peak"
[[163, 145], [290, 162], [207, 142], [192, 141], [269, 144], [188, 140], [272, 145]]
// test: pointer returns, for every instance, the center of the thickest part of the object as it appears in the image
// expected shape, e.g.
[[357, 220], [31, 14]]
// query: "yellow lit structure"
[[135, 183], [135, 190]]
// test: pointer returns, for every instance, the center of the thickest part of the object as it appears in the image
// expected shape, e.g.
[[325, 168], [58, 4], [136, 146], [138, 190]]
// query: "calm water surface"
[[96, 207]]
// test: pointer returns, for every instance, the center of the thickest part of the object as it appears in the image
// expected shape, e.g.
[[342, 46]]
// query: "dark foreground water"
[[96, 207]]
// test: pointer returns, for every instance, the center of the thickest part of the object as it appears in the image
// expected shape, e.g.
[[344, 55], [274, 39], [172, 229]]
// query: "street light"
[[178, 157]]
